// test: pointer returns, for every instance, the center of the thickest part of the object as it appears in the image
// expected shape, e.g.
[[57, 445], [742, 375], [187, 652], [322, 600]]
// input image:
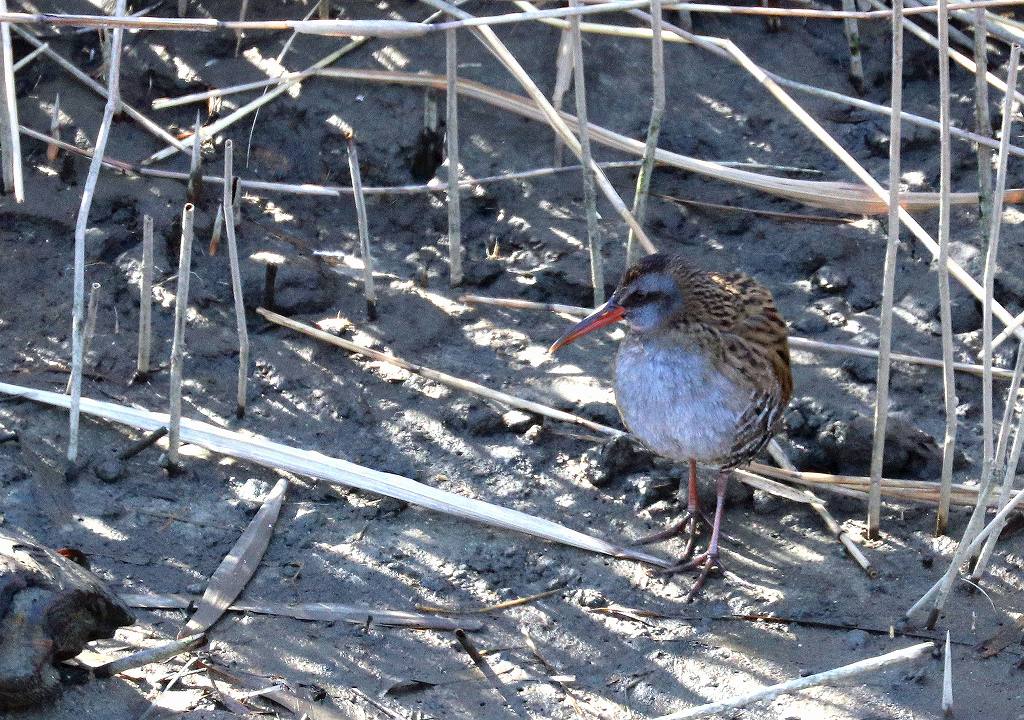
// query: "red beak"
[[605, 315]]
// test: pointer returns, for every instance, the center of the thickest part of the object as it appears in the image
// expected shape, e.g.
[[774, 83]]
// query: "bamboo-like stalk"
[[945, 313], [236, 280], [861, 667], [982, 119], [1010, 329], [940, 593], [888, 278], [490, 40], [153, 128], [563, 76], [52, 148], [589, 195], [10, 138], [145, 299], [88, 192], [947, 679], [221, 124], [178, 347], [643, 179], [852, 32], [955, 35], [452, 138], [218, 227], [1009, 473], [369, 292], [194, 190]]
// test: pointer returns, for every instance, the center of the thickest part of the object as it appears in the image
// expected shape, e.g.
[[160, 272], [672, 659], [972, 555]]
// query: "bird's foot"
[[688, 524], [705, 563]]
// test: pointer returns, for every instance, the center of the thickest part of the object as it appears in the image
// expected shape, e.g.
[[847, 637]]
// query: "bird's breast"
[[676, 401]]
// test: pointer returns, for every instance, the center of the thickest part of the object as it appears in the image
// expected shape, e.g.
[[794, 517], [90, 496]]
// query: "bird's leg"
[[708, 560], [687, 522]]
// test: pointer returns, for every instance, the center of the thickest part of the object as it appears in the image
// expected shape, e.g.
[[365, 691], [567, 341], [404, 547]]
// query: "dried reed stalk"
[[1009, 473], [178, 348], [194, 189], [796, 342], [856, 71], [145, 299], [947, 679], [861, 667], [71, 68], [563, 76], [936, 590], [31, 56], [957, 57], [486, 35], [452, 139], [888, 278], [243, 10], [369, 292], [1010, 329], [88, 192], [982, 119], [945, 313], [228, 218], [10, 138], [334, 471], [643, 180], [218, 227], [160, 653], [219, 125], [52, 148], [954, 34], [589, 195]]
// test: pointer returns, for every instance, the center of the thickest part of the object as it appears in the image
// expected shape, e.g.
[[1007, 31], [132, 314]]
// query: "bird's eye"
[[639, 297]]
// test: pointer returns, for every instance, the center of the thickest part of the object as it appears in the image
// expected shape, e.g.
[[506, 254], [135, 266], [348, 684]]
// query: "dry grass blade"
[[322, 611], [88, 192], [239, 565], [335, 471], [490, 608], [888, 278], [10, 140], [861, 667], [300, 707]]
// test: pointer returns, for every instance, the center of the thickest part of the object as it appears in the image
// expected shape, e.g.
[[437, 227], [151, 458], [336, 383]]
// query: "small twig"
[[452, 137], [178, 347], [141, 444], [888, 277], [490, 608], [643, 179], [10, 138], [145, 298], [856, 669], [513, 700], [88, 192], [228, 218], [369, 292], [149, 655]]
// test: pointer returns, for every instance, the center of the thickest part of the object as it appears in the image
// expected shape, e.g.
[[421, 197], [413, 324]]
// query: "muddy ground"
[[146, 531]]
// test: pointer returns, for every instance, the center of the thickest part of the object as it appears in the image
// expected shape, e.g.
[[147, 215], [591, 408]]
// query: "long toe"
[[707, 563], [688, 524]]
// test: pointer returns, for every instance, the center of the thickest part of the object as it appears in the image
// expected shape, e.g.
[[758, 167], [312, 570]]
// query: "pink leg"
[[708, 561], [687, 523]]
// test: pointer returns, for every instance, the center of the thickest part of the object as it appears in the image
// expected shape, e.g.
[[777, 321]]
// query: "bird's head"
[[647, 299]]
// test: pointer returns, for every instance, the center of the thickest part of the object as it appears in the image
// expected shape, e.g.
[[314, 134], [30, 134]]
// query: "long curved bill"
[[607, 314]]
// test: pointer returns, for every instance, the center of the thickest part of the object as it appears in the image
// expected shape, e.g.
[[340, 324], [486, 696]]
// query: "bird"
[[702, 376]]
